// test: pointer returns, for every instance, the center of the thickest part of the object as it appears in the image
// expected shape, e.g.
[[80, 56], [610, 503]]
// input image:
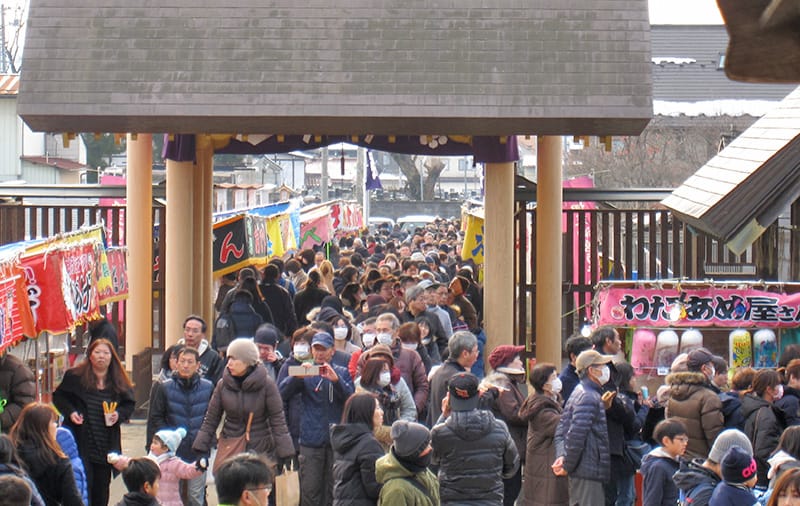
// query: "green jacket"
[[397, 490]]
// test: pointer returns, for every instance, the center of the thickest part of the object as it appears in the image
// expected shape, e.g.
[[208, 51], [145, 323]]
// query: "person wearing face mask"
[[505, 391], [379, 379], [301, 352], [764, 422], [342, 331], [584, 455], [542, 412], [693, 401], [407, 361], [409, 334], [367, 329]]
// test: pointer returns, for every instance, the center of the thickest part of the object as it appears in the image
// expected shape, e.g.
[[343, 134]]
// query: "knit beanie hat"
[[503, 355], [244, 349], [171, 438], [725, 441], [410, 438], [737, 466]]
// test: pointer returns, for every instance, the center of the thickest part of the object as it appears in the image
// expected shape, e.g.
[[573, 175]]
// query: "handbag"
[[635, 450], [228, 447], [287, 488]]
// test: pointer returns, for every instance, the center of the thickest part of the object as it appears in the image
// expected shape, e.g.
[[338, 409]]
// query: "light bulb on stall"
[[676, 312], [586, 329]]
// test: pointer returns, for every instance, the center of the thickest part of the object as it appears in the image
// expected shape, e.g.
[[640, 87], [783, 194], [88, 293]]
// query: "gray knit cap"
[[727, 439]]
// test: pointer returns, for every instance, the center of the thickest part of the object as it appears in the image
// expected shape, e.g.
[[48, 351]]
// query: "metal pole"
[[323, 190]]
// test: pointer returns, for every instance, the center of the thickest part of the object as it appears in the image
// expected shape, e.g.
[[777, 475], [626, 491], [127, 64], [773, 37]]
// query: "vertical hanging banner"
[[257, 240], [275, 246], [16, 320], [118, 271], [473, 239], [287, 233], [80, 268], [47, 293]]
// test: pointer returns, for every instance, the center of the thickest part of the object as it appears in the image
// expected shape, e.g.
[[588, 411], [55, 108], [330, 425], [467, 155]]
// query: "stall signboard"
[[701, 307], [230, 246], [81, 267], [314, 232]]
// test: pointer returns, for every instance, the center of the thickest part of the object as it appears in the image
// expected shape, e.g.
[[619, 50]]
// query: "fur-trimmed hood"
[[686, 378]]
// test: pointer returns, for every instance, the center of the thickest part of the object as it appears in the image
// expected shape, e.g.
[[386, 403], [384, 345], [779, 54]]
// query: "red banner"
[[45, 283], [704, 307], [16, 320]]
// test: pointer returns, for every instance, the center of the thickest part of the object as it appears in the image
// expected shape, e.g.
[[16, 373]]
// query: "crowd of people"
[[361, 366]]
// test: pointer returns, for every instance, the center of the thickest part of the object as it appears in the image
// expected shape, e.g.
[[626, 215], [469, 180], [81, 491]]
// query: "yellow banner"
[[275, 241], [473, 240]]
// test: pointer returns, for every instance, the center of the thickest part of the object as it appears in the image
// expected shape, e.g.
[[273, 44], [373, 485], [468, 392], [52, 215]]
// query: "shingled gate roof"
[[473, 67]]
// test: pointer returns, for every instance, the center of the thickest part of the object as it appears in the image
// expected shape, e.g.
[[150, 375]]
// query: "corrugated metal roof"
[[9, 84], [748, 182], [701, 80]]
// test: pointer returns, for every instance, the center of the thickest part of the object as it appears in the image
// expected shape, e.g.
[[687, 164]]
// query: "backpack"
[[224, 331], [685, 499]]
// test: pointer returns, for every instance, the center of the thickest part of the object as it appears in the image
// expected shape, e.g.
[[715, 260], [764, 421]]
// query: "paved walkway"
[[133, 445]]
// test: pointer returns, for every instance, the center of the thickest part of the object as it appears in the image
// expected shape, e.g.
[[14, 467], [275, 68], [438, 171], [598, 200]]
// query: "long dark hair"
[[360, 408], [119, 380], [33, 426]]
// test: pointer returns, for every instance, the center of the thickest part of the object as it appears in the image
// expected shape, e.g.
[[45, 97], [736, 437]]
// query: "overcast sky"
[[684, 12]]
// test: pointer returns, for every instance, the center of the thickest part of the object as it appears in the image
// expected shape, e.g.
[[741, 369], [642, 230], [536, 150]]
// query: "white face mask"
[[300, 351], [368, 340], [605, 375], [340, 333], [778, 393], [385, 338], [555, 386], [385, 378], [409, 346]]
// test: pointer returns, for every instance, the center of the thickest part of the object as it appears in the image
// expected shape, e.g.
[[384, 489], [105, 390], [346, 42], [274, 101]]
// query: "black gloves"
[[287, 463]]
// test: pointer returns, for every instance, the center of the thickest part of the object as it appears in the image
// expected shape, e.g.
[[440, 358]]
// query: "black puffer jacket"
[[355, 451], [55, 482], [764, 424], [474, 452]]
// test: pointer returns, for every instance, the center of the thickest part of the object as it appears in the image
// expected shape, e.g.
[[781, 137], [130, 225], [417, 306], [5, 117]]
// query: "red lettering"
[[228, 249]]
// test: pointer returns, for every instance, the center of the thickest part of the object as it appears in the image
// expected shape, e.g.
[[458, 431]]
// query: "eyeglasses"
[[682, 439]]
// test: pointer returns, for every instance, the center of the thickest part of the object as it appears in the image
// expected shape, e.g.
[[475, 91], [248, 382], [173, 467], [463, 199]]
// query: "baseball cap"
[[323, 339], [591, 357], [698, 358], [463, 389]]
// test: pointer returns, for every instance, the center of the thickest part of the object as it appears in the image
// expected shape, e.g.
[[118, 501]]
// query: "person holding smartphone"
[[323, 396]]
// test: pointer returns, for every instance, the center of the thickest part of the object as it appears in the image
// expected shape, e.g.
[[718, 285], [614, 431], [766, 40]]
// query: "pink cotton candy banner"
[[718, 307]]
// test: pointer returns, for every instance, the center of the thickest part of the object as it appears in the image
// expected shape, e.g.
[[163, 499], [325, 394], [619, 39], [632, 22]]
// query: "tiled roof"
[[701, 80], [475, 67], [741, 191], [59, 163]]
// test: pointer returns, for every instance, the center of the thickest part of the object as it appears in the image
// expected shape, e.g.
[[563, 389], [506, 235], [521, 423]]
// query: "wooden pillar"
[[204, 240], [178, 282], [548, 250], [139, 239], [498, 241]]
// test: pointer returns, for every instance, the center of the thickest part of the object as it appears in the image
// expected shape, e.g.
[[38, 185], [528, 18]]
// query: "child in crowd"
[[660, 464], [738, 478], [141, 479], [172, 468]]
